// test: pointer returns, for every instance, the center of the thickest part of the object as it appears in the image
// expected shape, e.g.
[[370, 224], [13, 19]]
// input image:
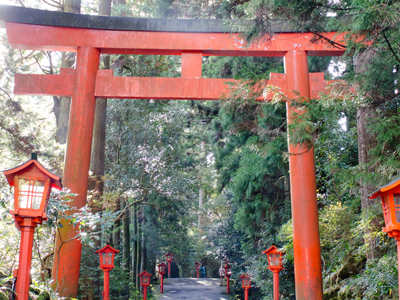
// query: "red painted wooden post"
[[106, 290], [246, 294], [276, 284], [27, 226], [67, 257], [307, 252]]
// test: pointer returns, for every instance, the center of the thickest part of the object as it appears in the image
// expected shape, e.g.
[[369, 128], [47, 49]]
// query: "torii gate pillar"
[[67, 257], [307, 252]]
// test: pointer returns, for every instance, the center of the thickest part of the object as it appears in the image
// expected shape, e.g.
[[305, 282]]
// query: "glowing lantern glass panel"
[[274, 259], [386, 209], [30, 193], [396, 198], [107, 258]]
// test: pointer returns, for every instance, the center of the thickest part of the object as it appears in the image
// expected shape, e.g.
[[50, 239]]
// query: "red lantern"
[[161, 270], [107, 254], [197, 265], [246, 284], [32, 186], [32, 183], [169, 257], [275, 265], [390, 200], [145, 279], [228, 274]]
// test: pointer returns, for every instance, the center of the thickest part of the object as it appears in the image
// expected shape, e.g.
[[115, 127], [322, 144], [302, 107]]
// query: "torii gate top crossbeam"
[[147, 36]]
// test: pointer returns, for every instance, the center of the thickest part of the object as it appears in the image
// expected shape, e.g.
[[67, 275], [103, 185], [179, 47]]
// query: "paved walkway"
[[192, 288]]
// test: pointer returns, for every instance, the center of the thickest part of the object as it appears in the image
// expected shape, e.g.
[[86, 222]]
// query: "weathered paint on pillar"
[[67, 257], [307, 252]]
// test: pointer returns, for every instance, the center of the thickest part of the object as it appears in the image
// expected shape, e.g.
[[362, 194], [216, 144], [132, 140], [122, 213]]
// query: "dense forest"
[[209, 181]]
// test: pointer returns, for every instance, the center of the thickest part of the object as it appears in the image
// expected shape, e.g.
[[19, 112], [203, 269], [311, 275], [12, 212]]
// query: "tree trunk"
[[126, 249], [201, 200], [62, 104], [117, 228], [366, 141], [138, 242], [134, 247]]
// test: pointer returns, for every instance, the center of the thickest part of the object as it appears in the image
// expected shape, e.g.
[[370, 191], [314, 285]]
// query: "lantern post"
[[275, 265], [32, 186], [390, 200], [107, 254], [228, 274], [246, 284], [169, 257], [161, 270], [197, 265], [144, 282]]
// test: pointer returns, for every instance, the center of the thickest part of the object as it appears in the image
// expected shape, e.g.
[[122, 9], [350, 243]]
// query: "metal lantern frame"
[[32, 183], [161, 268], [169, 257], [390, 200], [274, 258], [246, 280], [107, 255], [145, 279]]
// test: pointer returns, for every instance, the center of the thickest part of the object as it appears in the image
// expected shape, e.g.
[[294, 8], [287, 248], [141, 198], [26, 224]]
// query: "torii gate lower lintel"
[[87, 82]]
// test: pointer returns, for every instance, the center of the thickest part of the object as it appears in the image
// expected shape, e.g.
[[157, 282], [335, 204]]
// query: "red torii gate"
[[88, 82]]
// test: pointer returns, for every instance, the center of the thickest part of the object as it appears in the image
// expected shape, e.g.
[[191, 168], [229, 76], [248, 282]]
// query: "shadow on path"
[[192, 288]]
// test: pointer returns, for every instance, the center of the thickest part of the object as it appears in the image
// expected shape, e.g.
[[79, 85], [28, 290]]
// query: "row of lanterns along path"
[[32, 186]]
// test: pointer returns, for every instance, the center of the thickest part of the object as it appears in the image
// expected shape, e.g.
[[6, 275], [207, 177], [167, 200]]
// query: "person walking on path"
[[203, 271]]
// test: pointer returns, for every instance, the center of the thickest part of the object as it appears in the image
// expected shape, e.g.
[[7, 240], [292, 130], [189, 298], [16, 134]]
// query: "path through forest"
[[193, 289]]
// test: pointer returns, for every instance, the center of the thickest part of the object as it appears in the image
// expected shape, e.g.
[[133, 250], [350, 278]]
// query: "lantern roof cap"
[[144, 273], [391, 185], [245, 275], [107, 248], [272, 249], [169, 254], [9, 173], [162, 264], [197, 263]]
